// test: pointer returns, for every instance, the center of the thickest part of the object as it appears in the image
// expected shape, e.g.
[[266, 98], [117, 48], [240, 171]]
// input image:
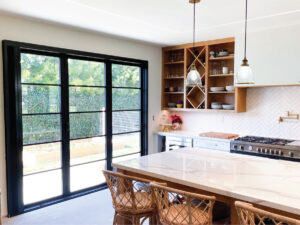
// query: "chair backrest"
[[180, 207], [249, 215], [129, 194]]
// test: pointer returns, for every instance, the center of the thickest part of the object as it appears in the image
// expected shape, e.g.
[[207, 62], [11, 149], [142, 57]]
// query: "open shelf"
[[176, 64], [222, 58], [173, 93], [174, 109], [222, 75], [172, 63], [198, 110], [196, 96], [221, 92], [173, 78]]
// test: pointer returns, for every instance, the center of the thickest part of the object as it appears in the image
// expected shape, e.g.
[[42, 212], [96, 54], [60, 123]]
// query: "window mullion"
[[108, 125], [65, 131]]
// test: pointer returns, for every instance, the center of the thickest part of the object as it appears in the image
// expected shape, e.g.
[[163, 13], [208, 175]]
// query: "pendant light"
[[245, 75], [193, 76]]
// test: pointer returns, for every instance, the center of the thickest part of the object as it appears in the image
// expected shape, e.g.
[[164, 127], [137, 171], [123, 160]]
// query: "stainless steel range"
[[267, 147]]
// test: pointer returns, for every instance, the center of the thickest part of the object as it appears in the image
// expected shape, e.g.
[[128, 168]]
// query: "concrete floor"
[[92, 209]]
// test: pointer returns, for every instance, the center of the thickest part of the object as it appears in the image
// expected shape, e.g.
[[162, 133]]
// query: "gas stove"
[[267, 147]]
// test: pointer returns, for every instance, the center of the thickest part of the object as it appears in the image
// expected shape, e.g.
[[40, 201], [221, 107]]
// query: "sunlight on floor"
[[92, 209]]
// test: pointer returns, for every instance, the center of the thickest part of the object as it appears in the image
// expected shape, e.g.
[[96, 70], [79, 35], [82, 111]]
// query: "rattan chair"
[[132, 198], [176, 207], [249, 215]]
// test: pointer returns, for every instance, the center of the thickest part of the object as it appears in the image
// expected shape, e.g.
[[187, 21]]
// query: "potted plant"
[[176, 122]]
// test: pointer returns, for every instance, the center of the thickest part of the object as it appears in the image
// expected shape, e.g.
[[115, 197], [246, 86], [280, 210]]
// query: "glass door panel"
[[87, 93], [126, 111], [41, 123], [125, 144], [87, 150], [87, 175]]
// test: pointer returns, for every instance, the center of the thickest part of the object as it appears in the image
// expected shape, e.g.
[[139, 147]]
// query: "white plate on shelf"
[[214, 89]]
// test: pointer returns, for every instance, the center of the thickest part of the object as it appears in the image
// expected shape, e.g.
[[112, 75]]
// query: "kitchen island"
[[269, 184]]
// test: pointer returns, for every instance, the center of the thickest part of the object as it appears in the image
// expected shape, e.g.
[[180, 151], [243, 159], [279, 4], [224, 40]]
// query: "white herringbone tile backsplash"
[[264, 106]]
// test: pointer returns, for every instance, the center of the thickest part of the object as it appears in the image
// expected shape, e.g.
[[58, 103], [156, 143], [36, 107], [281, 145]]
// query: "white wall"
[[273, 55], [24, 30]]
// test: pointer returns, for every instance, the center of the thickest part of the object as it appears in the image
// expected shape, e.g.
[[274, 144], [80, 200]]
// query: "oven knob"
[[275, 152], [263, 150], [235, 146], [291, 154], [259, 150], [271, 151], [267, 150], [242, 148], [250, 148], [280, 152]]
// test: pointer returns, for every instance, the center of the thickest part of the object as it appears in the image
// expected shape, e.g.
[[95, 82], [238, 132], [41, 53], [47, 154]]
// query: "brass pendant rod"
[[194, 24], [246, 25]]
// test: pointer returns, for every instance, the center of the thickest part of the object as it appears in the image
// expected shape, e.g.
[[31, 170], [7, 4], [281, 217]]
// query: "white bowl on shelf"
[[215, 89], [229, 88], [228, 107]]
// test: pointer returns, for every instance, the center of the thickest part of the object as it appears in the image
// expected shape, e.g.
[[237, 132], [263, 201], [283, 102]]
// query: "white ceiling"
[[163, 22]]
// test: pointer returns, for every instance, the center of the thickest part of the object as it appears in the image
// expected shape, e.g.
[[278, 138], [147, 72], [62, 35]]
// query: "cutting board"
[[219, 135]]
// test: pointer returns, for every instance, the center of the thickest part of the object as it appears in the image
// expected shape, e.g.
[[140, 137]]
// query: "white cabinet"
[[173, 141], [177, 142], [273, 55], [212, 143]]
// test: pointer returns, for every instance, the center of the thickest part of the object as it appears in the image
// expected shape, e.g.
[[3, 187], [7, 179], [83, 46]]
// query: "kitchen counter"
[[262, 181], [186, 134]]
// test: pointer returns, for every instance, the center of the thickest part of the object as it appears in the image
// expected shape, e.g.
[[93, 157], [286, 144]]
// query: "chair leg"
[[157, 219], [115, 219], [135, 220], [152, 219]]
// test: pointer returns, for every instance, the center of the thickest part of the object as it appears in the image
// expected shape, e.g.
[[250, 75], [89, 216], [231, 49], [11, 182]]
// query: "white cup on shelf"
[[225, 70]]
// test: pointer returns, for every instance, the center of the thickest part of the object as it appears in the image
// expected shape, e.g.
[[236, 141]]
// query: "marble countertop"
[[268, 182]]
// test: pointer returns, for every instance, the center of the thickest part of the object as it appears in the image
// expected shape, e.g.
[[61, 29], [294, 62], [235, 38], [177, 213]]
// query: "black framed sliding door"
[[68, 115]]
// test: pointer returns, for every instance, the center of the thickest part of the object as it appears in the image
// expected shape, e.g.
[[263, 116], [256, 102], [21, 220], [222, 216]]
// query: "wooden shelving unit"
[[176, 64]]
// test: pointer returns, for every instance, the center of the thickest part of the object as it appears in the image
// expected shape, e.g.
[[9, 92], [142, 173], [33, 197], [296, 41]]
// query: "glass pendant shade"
[[193, 76], [245, 75]]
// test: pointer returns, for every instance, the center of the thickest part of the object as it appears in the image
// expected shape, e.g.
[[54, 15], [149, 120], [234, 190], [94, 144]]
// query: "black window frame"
[[13, 116]]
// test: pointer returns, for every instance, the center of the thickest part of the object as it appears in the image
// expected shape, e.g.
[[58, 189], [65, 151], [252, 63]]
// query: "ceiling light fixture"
[[245, 75], [193, 76]]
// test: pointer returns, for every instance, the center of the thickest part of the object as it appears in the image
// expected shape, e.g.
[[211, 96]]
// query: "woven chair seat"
[[143, 201], [172, 215]]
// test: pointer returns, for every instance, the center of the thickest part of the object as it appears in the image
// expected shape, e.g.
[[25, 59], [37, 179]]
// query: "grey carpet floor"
[[92, 209]]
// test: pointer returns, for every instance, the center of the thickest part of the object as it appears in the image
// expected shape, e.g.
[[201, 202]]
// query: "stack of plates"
[[216, 105], [219, 105]]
